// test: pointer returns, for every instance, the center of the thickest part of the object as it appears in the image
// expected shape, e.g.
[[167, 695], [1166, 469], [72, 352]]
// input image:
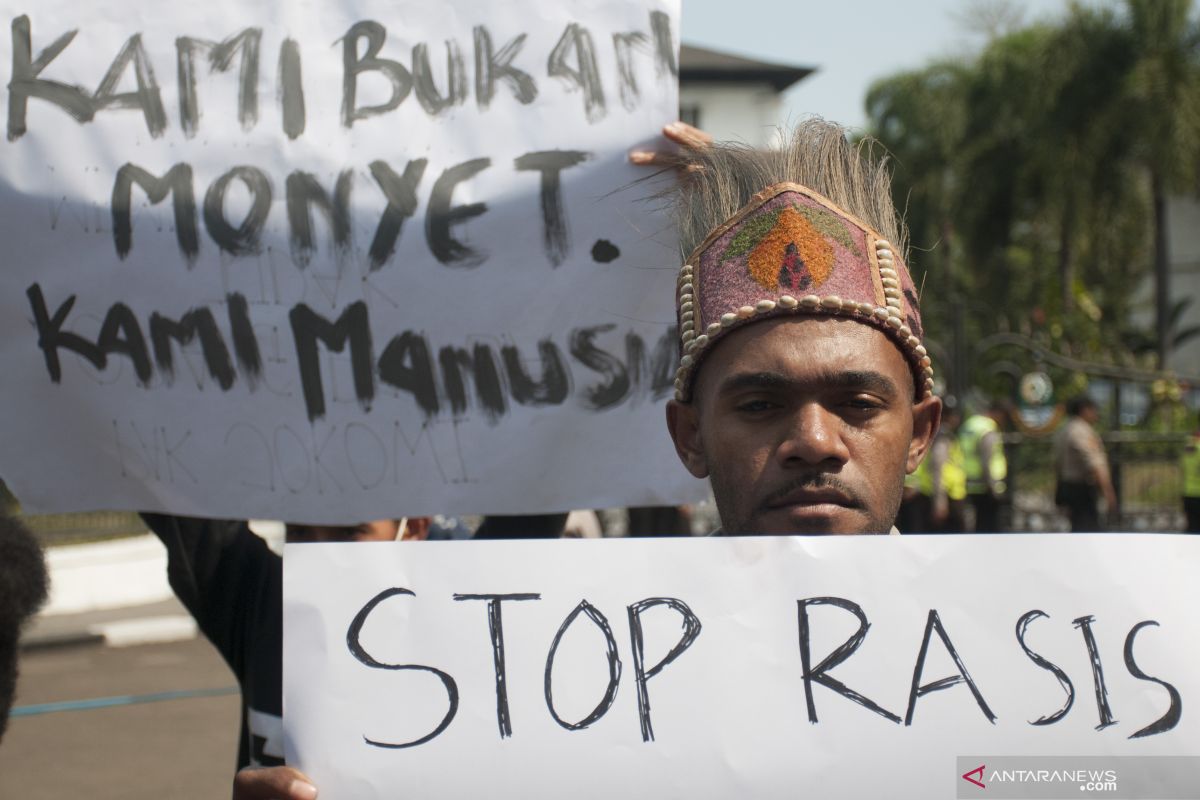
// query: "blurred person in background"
[[1189, 463], [985, 464], [1081, 467], [940, 482]]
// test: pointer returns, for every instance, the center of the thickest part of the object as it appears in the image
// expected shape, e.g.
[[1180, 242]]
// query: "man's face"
[[381, 530], [804, 425]]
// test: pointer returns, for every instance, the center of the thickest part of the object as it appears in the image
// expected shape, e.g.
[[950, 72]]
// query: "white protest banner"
[[840, 667], [329, 262]]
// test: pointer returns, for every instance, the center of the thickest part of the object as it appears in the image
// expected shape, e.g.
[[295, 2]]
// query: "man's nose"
[[814, 436]]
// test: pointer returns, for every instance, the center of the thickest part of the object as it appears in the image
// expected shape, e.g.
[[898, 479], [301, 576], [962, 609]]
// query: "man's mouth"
[[820, 497]]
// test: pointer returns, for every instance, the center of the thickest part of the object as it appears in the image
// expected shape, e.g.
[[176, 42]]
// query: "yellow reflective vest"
[[1190, 462], [954, 476], [970, 435]]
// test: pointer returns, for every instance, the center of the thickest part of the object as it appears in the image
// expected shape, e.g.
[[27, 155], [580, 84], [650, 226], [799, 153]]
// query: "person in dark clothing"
[[232, 584], [23, 588]]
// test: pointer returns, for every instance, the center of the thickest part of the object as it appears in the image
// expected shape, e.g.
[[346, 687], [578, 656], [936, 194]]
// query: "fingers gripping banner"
[[328, 262]]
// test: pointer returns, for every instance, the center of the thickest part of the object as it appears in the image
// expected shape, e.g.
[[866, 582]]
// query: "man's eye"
[[756, 406], [864, 404]]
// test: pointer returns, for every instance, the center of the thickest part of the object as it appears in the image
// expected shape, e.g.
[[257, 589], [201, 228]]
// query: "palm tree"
[[1161, 95]]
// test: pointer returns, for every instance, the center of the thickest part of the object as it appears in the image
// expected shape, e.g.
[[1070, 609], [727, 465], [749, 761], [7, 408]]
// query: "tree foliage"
[[1029, 174]]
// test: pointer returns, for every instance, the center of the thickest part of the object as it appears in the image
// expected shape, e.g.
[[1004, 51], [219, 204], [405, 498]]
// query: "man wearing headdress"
[[804, 392]]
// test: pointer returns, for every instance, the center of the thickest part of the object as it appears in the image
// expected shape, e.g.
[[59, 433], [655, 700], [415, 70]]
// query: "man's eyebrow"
[[860, 380], [754, 380]]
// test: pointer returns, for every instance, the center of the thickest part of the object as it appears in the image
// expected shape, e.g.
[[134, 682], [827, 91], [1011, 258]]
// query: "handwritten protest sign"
[[335, 261], [732, 667]]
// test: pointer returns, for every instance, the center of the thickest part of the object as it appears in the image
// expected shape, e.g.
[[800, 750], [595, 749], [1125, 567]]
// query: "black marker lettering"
[[122, 334], [691, 629], [663, 361], [52, 338], [401, 194], [934, 623], [352, 326], [291, 89], [664, 44], [480, 363], [178, 183], [614, 666], [406, 364], [304, 192], [493, 66], [819, 674], [220, 59], [25, 82], [605, 252], [624, 44], [1063, 680], [433, 101], [198, 322], [356, 650], [656, 375], [551, 163], [146, 97], [585, 74], [243, 239], [617, 387], [400, 78], [1175, 711], [551, 390], [440, 216], [1085, 625], [245, 343], [496, 629]]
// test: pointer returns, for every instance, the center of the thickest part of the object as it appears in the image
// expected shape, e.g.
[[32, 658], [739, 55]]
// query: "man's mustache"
[[814, 481]]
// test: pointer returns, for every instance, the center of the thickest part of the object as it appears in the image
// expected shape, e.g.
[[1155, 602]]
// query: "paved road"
[[183, 748]]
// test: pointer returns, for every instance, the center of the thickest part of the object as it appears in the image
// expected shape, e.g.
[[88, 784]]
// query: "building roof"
[[702, 64]]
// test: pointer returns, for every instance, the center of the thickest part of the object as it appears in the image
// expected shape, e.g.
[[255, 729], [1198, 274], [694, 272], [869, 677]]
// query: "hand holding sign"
[[272, 783], [686, 137]]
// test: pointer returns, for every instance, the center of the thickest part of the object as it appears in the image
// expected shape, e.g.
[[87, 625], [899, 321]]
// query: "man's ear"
[[683, 422], [417, 529], [927, 419]]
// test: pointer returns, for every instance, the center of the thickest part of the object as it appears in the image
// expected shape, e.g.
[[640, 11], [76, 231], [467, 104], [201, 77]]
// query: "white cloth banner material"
[[328, 262], [761, 667]]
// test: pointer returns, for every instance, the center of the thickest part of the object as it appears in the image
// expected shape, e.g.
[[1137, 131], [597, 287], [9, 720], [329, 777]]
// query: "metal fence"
[[1146, 475], [1145, 468], [56, 529]]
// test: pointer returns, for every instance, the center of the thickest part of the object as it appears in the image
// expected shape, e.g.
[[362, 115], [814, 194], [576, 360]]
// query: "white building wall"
[[1183, 237], [747, 113]]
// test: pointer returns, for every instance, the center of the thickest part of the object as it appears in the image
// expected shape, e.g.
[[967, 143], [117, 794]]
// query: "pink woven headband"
[[792, 251]]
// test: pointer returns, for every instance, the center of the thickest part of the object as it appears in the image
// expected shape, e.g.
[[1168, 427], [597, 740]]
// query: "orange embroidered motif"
[[792, 255]]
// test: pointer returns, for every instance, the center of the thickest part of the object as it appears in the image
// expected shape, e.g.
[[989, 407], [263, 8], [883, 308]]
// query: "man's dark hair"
[[23, 587], [1076, 405]]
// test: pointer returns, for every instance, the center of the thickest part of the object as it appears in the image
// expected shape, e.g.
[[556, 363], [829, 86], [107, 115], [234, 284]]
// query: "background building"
[[1183, 242], [733, 97]]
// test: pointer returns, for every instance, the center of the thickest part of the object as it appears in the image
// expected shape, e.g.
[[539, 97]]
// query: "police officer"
[[985, 464], [1190, 464], [941, 479]]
